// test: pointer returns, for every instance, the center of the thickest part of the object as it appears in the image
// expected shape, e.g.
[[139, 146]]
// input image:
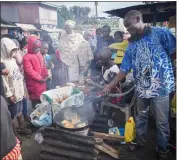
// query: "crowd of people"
[[147, 51]]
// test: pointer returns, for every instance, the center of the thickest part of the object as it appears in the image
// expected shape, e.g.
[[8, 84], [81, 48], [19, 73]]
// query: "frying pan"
[[85, 114]]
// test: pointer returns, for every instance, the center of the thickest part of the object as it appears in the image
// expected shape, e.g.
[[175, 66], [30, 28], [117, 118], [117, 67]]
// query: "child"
[[35, 70], [108, 72], [109, 68], [13, 84], [48, 62], [19, 60]]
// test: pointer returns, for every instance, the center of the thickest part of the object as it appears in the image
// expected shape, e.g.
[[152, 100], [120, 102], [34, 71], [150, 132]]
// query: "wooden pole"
[[154, 19], [96, 5], [154, 16]]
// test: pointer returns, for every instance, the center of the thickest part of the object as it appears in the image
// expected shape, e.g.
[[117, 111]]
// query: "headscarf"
[[16, 42], [33, 42], [70, 23], [7, 45], [47, 38], [32, 35], [25, 48]]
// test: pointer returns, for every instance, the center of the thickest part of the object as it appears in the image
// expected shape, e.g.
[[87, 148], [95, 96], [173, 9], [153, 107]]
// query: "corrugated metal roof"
[[50, 30], [50, 5], [8, 26], [27, 27], [164, 11], [42, 3]]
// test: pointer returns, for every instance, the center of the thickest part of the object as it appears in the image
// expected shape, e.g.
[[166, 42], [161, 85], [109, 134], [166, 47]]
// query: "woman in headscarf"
[[75, 53]]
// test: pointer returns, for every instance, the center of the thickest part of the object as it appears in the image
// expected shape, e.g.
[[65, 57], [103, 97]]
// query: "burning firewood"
[[105, 150]]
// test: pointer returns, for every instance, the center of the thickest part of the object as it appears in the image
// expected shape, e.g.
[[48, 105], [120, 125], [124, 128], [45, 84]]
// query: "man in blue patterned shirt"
[[149, 55]]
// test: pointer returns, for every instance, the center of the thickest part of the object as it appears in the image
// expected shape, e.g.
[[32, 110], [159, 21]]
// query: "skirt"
[[15, 154]]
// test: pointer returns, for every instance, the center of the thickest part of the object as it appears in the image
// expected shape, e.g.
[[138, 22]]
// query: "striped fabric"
[[15, 154]]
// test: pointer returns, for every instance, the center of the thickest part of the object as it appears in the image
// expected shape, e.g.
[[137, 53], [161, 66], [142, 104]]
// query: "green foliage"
[[63, 14], [77, 13], [80, 13]]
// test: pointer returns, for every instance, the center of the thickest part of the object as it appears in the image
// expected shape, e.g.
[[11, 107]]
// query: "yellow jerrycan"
[[129, 130]]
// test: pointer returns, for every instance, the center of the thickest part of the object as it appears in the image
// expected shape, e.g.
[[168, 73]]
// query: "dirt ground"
[[31, 149]]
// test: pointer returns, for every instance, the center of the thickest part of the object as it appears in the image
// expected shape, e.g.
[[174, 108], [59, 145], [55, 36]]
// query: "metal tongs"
[[89, 81]]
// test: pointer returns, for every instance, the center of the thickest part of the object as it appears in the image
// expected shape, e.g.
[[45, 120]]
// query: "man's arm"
[[119, 77], [126, 66]]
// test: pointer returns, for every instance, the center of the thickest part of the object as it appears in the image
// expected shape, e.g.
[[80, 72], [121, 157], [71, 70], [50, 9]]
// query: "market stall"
[[6, 27], [70, 123]]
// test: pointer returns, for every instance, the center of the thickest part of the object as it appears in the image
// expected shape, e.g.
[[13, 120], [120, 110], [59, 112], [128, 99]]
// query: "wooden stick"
[[101, 148], [108, 136], [99, 140], [110, 149]]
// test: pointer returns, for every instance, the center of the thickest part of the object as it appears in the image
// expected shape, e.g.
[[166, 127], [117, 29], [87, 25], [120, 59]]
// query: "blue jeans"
[[161, 111]]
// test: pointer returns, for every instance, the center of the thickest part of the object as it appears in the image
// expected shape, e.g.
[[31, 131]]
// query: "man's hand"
[[12, 99], [42, 81], [107, 89], [120, 76], [5, 72]]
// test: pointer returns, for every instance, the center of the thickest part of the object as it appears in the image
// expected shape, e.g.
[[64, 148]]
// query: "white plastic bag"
[[42, 115], [51, 95], [75, 98]]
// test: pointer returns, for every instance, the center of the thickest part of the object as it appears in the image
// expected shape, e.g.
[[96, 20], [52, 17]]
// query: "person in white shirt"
[[13, 83]]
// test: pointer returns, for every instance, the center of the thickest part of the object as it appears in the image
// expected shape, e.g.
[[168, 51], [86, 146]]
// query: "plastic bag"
[[51, 95], [129, 130], [114, 131], [39, 138], [75, 97], [42, 115]]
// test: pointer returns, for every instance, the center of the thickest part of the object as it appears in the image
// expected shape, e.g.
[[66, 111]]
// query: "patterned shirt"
[[149, 57]]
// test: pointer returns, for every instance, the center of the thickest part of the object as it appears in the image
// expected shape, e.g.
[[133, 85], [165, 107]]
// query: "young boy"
[[109, 68], [108, 72], [13, 84], [48, 63]]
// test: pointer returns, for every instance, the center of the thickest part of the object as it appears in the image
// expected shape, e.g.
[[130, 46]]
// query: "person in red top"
[[35, 70]]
